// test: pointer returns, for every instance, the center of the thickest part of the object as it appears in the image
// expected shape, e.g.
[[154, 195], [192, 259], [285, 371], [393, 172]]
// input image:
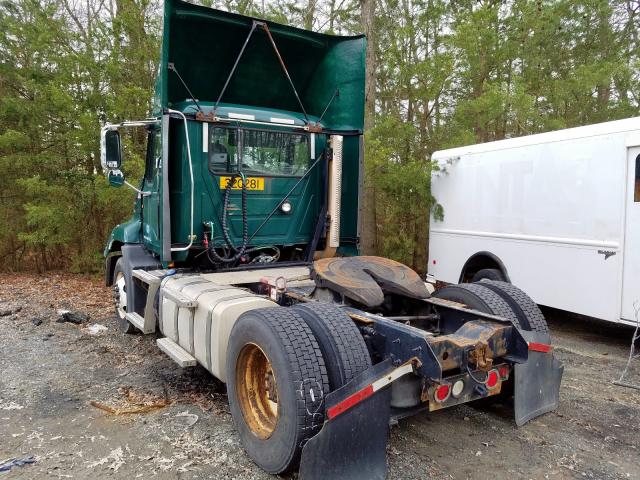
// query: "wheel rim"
[[257, 391], [120, 295]]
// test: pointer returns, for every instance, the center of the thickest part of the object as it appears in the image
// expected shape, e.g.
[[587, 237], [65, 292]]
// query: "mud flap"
[[353, 443], [537, 381]]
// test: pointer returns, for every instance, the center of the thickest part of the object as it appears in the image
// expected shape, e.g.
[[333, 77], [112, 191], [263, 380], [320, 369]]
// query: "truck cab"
[[277, 158], [260, 105]]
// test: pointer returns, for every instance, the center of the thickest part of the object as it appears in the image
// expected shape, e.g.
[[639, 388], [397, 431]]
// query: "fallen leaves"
[[56, 291], [135, 403]]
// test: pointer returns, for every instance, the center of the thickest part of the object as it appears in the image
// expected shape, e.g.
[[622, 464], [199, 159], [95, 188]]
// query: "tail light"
[[504, 372], [442, 392], [493, 379]]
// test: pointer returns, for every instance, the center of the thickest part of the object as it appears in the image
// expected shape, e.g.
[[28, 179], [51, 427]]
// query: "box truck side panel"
[[552, 212], [535, 266]]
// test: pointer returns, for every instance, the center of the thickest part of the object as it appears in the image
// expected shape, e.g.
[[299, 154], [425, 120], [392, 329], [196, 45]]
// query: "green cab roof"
[[204, 43], [274, 116]]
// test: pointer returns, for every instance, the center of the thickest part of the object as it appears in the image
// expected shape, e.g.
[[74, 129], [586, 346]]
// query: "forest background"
[[439, 74]]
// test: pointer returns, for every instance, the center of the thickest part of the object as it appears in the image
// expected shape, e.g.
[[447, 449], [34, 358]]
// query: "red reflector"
[[349, 402], [493, 377], [539, 347], [442, 392], [504, 372]]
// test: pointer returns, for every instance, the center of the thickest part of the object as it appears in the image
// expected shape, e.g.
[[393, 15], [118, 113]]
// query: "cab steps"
[[151, 279], [176, 352]]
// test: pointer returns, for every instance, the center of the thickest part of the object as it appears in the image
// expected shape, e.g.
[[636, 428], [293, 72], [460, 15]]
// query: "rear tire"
[[489, 274], [273, 358], [342, 346], [531, 318], [478, 296], [120, 288], [524, 313]]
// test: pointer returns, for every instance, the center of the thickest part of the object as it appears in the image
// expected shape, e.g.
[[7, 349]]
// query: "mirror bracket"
[[116, 179], [140, 193]]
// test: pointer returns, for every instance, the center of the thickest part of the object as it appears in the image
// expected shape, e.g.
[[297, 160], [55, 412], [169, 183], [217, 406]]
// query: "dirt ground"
[[92, 403]]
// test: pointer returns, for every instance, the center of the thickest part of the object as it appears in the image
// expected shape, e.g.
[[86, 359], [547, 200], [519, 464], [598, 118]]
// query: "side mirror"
[[111, 149], [116, 178]]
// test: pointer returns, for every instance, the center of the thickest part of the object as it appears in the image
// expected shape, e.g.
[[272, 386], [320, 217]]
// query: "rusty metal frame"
[[477, 342]]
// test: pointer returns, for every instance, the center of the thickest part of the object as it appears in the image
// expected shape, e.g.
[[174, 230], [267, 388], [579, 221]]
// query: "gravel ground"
[[91, 403]]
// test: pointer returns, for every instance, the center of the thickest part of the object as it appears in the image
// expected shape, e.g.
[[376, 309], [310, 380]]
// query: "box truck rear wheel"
[[120, 287], [488, 273], [276, 383], [342, 346]]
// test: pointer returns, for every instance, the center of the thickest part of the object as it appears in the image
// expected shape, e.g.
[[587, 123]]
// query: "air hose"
[[239, 252], [465, 354], [228, 257]]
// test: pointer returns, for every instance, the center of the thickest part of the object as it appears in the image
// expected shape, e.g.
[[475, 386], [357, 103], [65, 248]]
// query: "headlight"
[[286, 207]]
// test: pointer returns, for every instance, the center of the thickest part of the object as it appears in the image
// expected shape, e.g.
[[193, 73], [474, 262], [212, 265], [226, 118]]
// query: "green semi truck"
[[242, 256]]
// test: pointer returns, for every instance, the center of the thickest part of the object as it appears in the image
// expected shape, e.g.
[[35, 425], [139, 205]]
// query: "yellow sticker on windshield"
[[253, 183]]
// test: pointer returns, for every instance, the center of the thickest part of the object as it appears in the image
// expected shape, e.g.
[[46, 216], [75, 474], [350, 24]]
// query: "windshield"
[[263, 152]]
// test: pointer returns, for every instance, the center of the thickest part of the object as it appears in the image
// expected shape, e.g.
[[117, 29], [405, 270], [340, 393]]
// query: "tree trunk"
[[309, 15], [368, 228]]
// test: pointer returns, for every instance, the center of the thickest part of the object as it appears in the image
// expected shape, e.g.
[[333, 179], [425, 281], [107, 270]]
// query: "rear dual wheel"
[[276, 384], [258, 395], [502, 299], [530, 318], [281, 363], [498, 298], [478, 297], [340, 341]]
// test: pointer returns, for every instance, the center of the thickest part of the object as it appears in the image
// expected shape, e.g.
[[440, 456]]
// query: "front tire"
[[276, 384], [120, 287]]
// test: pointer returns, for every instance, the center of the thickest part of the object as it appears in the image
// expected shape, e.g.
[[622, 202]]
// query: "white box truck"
[[557, 214]]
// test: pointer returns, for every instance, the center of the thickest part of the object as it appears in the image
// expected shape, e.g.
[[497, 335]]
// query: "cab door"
[[631, 260], [151, 191]]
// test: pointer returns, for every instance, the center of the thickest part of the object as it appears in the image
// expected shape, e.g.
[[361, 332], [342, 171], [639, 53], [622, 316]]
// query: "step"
[[147, 277], [176, 352], [180, 299], [136, 320]]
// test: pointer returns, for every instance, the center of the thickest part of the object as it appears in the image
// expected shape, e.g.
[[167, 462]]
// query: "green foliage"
[[65, 68], [446, 74], [403, 183]]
